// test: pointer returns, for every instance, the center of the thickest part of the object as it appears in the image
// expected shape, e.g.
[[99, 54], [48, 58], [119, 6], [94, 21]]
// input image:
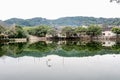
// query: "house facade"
[[108, 34]]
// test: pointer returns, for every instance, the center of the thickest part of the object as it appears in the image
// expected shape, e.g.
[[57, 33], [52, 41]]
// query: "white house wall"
[[108, 34]]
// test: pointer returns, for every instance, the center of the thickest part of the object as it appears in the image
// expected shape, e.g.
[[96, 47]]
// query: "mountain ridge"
[[64, 21]]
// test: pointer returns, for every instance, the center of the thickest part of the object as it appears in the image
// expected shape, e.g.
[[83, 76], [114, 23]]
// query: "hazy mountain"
[[4, 24], [64, 21]]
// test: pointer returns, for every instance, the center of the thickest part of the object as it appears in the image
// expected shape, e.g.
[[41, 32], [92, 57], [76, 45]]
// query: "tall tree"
[[53, 32], [116, 30], [67, 31], [40, 31], [93, 30], [80, 30], [16, 32]]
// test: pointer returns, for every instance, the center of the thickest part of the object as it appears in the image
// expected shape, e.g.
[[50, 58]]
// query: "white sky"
[[52, 9]]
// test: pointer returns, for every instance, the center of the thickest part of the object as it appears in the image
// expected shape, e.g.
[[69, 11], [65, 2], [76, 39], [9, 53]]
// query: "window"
[[103, 33], [103, 42]]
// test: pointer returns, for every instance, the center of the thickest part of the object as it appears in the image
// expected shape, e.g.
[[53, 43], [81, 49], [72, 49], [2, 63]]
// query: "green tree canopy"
[[116, 30], [53, 32], [17, 32], [80, 30], [40, 31], [67, 31], [93, 30]]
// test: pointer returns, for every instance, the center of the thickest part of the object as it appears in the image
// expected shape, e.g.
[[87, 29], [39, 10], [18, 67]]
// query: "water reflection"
[[58, 68], [60, 48], [108, 43], [59, 60]]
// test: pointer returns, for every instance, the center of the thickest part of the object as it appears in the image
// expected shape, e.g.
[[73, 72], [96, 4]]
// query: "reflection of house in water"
[[61, 42], [48, 42], [108, 43]]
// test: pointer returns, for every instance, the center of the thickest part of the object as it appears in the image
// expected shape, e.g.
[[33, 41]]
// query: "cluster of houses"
[[106, 32]]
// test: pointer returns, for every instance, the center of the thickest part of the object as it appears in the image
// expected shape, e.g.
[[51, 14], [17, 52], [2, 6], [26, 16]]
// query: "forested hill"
[[64, 21]]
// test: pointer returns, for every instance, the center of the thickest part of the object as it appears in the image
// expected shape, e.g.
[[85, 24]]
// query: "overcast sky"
[[52, 9]]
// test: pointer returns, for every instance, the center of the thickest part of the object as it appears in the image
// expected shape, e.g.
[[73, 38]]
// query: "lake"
[[60, 60]]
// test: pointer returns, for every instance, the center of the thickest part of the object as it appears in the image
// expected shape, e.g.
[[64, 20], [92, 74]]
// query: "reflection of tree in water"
[[88, 49], [3, 49], [16, 48], [68, 49], [42, 46], [68, 46], [94, 46], [90, 46], [116, 47], [12, 48]]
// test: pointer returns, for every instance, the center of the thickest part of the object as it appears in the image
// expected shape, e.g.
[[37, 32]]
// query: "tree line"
[[68, 32]]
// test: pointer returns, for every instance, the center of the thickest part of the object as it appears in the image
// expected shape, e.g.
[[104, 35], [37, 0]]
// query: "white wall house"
[[108, 34]]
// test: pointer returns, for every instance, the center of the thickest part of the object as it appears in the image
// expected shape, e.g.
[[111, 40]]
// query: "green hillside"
[[64, 21]]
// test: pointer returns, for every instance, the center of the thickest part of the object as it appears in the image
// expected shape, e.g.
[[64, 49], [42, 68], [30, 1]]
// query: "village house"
[[107, 33]]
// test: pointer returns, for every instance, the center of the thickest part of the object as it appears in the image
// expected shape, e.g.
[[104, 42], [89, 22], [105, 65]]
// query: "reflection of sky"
[[106, 67]]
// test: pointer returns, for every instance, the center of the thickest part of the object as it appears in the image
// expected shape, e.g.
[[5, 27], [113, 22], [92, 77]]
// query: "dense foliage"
[[53, 32], [93, 30], [16, 32], [68, 49], [67, 31], [40, 31], [116, 30], [80, 30]]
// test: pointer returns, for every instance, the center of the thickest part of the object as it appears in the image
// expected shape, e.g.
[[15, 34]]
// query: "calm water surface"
[[53, 61]]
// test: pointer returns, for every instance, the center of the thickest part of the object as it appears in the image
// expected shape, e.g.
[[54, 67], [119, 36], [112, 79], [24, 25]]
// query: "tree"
[[2, 29], [80, 30], [116, 30], [17, 32], [53, 32], [93, 30], [40, 31], [67, 31]]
